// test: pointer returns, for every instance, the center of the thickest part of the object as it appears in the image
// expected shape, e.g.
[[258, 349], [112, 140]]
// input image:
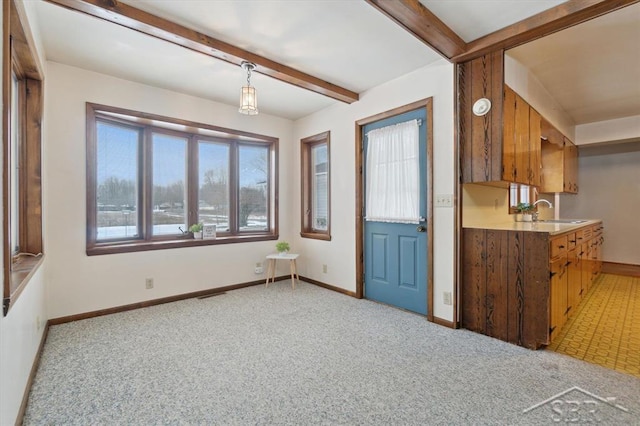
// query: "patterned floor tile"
[[605, 329]]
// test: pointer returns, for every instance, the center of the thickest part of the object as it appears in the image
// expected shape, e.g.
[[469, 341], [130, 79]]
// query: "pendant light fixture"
[[248, 95]]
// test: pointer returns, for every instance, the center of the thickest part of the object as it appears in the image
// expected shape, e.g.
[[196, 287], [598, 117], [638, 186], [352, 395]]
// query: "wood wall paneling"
[[481, 136], [473, 288], [505, 290], [497, 304], [536, 290], [515, 283]]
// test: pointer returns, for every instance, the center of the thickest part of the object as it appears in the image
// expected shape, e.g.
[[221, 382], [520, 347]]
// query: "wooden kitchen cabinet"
[[505, 285], [522, 286], [558, 296], [502, 146], [559, 159], [521, 153], [570, 183]]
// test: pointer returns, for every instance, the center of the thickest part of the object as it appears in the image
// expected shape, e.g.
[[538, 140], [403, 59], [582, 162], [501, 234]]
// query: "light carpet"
[[310, 356]]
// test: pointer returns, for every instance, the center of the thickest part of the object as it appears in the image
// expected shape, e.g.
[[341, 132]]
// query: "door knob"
[[421, 229]]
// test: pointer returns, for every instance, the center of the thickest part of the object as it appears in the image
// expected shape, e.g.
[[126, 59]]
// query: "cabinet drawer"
[[587, 233], [558, 246], [580, 237], [571, 240]]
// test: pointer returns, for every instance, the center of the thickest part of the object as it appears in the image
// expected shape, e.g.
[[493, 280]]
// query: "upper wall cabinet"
[[521, 140], [559, 160], [511, 143], [503, 145]]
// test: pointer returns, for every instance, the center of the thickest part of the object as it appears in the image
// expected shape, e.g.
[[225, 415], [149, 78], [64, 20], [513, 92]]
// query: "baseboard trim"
[[328, 286], [154, 302], [621, 269], [32, 376], [445, 323]]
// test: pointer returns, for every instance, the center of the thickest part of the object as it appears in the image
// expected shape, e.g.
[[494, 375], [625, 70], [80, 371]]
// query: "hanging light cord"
[[249, 76]]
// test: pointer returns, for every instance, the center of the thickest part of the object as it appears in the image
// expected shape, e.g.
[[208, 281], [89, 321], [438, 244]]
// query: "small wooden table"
[[271, 270]]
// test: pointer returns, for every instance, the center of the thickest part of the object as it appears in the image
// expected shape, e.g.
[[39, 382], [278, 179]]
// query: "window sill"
[[316, 236], [134, 246], [22, 269]]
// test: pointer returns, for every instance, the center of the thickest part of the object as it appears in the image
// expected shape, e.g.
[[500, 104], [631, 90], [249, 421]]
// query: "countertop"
[[550, 228]]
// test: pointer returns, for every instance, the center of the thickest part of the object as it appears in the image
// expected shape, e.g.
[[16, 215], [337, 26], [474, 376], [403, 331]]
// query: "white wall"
[[610, 190], [20, 333], [339, 254], [617, 130], [524, 83], [80, 283]]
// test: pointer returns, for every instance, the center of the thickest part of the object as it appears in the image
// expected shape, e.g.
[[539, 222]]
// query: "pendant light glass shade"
[[248, 95], [248, 101]]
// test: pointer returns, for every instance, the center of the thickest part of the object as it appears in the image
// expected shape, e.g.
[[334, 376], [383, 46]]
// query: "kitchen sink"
[[563, 221]]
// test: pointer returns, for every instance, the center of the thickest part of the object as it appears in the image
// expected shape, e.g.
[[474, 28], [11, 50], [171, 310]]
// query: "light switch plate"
[[444, 200]]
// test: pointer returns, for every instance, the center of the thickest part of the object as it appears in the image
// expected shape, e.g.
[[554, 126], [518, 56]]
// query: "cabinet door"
[[534, 147], [558, 295], [570, 167], [523, 170], [574, 281], [509, 136]]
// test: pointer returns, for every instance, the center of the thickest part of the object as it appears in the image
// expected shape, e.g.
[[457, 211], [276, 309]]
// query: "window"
[[520, 194], [316, 184], [149, 179], [22, 157]]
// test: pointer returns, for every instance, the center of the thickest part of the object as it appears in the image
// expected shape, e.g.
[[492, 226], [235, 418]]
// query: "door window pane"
[[319, 217], [213, 184], [169, 177], [253, 163], [117, 181]]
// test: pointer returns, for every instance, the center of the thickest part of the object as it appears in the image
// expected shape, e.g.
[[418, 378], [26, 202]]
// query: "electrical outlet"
[[446, 298], [444, 200], [258, 265], [258, 269], [148, 283], [324, 269]]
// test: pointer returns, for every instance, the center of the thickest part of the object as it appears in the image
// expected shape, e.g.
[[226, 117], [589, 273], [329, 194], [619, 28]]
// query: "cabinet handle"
[[551, 274], [572, 241], [568, 263], [560, 246]]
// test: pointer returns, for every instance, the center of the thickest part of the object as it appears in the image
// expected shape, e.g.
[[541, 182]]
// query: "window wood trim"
[[19, 54], [195, 132], [306, 187]]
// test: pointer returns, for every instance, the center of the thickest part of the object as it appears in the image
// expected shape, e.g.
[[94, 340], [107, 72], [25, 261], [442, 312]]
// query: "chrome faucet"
[[535, 213], [542, 199]]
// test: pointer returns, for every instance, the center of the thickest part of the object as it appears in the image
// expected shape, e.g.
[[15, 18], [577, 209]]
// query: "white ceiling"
[[592, 69], [472, 19], [345, 42]]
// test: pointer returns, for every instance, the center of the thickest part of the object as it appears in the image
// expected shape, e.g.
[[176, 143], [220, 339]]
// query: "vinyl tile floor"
[[605, 330]]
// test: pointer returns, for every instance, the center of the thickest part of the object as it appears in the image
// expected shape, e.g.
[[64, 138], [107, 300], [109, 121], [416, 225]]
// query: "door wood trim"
[[427, 104]]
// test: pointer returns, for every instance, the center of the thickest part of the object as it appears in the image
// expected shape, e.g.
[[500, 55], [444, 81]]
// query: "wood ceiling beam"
[[155, 26], [423, 24], [563, 16]]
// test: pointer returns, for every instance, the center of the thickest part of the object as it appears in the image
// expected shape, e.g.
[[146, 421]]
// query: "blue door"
[[395, 254]]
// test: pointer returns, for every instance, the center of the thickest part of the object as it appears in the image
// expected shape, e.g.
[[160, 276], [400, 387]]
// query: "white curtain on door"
[[393, 174]]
